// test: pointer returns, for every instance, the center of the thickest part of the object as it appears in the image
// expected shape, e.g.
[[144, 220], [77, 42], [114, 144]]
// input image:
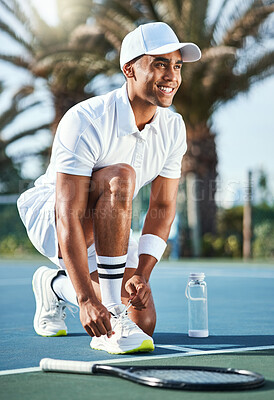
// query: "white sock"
[[64, 289], [111, 272]]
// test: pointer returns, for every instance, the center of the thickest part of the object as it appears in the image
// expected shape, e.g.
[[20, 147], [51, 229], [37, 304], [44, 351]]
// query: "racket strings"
[[193, 376]]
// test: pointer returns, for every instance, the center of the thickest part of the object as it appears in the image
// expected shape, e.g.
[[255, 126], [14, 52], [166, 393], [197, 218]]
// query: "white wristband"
[[152, 245]]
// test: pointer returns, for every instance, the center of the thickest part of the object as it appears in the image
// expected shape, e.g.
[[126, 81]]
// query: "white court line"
[[20, 371], [178, 348], [145, 358]]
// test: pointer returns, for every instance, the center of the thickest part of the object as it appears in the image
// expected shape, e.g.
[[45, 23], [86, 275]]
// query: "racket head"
[[186, 377]]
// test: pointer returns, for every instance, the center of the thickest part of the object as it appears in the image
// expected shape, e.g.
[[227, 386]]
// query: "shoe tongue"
[[118, 309]]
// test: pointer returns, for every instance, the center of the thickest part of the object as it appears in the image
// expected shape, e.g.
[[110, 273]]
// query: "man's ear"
[[128, 70]]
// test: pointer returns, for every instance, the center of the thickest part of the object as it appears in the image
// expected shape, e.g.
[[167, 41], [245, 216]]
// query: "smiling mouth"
[[166, 89]]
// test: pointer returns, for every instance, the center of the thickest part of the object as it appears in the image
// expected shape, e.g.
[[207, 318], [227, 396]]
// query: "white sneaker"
[[128, 337], [50, 315]]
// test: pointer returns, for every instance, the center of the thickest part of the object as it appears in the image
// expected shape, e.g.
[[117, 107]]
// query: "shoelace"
[[57, 309], [123, 320]]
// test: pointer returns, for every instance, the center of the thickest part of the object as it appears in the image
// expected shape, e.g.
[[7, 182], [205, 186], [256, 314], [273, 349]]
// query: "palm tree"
[[9, 165], [68, 56], [235, 56]]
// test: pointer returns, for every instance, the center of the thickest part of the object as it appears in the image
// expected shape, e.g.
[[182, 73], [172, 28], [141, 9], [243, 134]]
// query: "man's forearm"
[[158, 222]]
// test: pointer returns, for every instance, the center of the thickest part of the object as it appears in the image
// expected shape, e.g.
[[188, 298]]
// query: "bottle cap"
[[197, 276]]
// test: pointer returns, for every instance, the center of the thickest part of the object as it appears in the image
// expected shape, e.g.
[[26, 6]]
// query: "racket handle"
[[52, 365]]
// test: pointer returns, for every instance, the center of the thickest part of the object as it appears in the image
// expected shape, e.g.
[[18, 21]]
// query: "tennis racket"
[[184, 378]]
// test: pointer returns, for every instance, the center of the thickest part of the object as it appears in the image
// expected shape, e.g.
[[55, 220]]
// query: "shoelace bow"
[[123, 320]]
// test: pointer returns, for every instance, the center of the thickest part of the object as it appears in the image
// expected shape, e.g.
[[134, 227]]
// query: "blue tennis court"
[[241, 320]]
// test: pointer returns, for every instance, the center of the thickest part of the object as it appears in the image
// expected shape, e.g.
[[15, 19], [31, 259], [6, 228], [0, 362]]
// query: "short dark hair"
[[136, 58]]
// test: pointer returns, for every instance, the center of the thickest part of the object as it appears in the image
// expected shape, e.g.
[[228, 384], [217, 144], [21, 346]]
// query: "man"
[[79, 213]]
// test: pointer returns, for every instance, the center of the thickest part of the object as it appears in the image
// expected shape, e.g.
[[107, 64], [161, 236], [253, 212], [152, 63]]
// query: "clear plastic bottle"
[[196, 293]]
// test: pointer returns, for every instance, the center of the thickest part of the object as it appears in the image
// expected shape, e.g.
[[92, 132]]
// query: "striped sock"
[[111, 272]]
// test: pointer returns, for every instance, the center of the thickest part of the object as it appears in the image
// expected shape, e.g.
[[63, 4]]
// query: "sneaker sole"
[[146, 347], [35, 279], [59, 333]]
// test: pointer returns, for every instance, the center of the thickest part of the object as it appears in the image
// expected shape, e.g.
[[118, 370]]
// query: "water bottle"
[[196, 293]]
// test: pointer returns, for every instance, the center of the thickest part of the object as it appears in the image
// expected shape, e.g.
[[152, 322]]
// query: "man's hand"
[[139, 291], [95, 318]]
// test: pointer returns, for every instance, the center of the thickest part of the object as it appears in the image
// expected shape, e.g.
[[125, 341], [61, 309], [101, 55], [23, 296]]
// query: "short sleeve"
[[172, 166], [77, 144]]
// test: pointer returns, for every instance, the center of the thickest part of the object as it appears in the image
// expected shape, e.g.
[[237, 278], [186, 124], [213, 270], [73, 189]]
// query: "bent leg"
[[146, 318], [111, 204], [107, 219], [108, 216]]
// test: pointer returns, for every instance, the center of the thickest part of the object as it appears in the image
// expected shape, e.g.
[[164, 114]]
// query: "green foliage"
[[222, 246], [263, 220], [13, 238], [228, 241], [263, 246], [262, 213], [230, 220], [14, 109]]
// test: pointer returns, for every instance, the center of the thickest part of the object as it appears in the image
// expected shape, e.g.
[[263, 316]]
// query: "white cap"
[[153, 39], [197, 276]]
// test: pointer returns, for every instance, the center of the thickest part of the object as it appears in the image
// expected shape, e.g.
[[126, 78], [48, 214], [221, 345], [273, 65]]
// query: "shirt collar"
[[125, 115]]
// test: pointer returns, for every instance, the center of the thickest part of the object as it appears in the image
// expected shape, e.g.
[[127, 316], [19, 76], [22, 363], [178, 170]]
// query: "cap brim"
[[190, 51]]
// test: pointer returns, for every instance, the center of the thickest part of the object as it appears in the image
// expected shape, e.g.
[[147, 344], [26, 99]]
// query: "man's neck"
[[143, 115], [143, 111]]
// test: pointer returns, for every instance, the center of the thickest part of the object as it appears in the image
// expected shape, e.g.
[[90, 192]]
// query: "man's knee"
[[116, 181], [123, 180]]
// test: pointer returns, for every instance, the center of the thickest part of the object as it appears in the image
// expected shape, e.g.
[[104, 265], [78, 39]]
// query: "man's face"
[[157, 78]]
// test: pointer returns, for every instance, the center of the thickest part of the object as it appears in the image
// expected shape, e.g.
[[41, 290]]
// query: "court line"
[[145, 358], [177, 348], [20, 371]]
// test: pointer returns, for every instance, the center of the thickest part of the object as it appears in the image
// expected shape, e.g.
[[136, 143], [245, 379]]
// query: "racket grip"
[[52, 365]]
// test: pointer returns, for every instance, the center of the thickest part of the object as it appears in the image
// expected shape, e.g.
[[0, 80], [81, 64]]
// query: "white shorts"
[[36, 208]]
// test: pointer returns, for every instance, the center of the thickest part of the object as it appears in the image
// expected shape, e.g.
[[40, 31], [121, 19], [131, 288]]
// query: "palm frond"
[[152, 13], [7, 116], [247, 25], [261, 68], [89, 38], [216, 21], [217, 53], [72, 13], [5, 5], [16, 10], [198, 27], [168, 12], [16, 60], [13, 35], [16, 107], [73, 62], [19, 158], [119, 7], [115, 26], [186, 17], [27, 132], [258, 70]]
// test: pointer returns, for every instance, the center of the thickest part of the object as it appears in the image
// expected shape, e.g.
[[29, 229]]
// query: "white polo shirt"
[[101, 131], [93, 134]]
